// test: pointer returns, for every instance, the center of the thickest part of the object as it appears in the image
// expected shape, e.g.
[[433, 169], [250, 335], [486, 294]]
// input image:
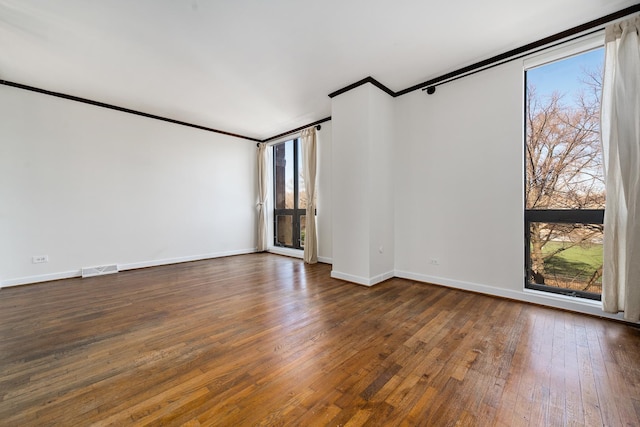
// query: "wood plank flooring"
[[267, 340]]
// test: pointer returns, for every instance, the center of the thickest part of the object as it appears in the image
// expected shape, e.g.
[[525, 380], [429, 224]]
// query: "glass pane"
[[566, 256], [303, 229], [283, 175], [284, 230], [302, 193], [564, 155]]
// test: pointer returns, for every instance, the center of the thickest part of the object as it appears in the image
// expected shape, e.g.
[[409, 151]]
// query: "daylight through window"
[[290, 195], [564, 181]]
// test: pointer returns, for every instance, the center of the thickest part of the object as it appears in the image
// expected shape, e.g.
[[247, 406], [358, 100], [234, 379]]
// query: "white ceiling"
[[259, 67]]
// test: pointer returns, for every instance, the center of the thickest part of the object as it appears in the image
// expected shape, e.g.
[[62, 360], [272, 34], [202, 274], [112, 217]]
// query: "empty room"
[[334, 213]]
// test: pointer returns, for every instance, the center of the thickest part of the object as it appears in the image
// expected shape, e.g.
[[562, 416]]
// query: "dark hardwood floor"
[[267, 340]]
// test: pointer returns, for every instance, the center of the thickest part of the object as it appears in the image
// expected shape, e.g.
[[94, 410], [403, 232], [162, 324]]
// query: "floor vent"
[[100, 270]]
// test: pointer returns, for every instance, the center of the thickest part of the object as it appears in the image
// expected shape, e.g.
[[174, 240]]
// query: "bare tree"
[[564, 167]]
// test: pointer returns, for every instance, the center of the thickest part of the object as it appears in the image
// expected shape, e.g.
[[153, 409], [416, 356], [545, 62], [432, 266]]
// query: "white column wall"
[[381, 185], [350, 167], [363, 216]]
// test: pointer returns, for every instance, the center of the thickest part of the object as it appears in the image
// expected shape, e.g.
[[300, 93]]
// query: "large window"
[[290, 195], [564, 181]]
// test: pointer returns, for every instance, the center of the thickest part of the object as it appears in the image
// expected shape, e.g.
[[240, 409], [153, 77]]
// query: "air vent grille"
[[99, 270]]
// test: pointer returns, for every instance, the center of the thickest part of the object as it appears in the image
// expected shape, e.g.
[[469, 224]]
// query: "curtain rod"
[[318, 127], [579, 31], [292, 131], [431, 89]]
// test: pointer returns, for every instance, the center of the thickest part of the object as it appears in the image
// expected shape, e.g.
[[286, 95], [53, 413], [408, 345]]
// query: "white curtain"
[[620, 129], [308, 141], [262, 197]]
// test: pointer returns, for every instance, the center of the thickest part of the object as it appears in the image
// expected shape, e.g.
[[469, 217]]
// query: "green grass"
[[578, 262]]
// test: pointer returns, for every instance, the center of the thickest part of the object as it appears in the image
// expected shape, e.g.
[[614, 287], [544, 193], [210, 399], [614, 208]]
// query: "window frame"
[[576, 216], [296, 212]]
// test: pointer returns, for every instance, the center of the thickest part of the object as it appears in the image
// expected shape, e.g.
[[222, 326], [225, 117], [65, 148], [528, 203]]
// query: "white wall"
[[460, 191], [89, 186]]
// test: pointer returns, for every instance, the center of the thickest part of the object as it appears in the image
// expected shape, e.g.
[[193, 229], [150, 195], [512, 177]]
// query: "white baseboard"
[[458, 284], [40, 278], [128, 266], [325, 260], [155, 263], [362, 280], [526, 295]]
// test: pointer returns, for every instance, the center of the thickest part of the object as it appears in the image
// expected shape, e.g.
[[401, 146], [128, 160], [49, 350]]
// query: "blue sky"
[[564, 75]]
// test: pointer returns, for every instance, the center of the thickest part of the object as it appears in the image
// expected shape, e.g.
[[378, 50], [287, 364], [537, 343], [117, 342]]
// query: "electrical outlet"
[[434, 261], [38, 259]]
